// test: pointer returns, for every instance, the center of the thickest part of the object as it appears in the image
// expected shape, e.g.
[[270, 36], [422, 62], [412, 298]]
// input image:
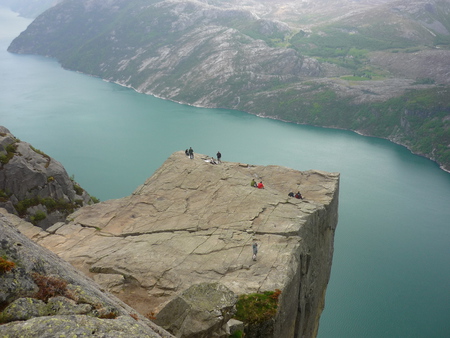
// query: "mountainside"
[[193, 222], [29, 8], [380, 68]]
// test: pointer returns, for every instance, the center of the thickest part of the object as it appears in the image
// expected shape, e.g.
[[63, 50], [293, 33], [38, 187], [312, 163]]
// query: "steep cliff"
[[194, 222], [35, 186], [376, 67]]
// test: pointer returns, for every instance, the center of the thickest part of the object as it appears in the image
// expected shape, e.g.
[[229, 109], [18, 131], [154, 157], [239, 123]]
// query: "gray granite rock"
[[202, 311], [28, 177], [41, 295], [193, 222]]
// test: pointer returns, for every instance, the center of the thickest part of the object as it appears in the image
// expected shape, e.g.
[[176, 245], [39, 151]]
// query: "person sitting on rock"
[[212, 161], [298, 195], [291, 194], [253, 183], [260, 185]]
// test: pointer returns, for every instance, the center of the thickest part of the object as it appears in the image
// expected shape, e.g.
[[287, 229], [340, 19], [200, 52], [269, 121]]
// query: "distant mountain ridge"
[[29, 8], [380, 68]]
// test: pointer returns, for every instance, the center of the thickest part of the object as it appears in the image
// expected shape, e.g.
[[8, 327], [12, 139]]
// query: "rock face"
[[202, 311], [194, 222], [34, 185], [41, 295]]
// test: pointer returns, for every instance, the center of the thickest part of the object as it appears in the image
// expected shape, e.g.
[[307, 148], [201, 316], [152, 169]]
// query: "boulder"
[[34, 185], [201, 311]]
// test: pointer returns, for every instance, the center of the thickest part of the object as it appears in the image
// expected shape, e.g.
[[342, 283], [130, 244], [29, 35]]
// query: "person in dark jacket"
[[255, 250]]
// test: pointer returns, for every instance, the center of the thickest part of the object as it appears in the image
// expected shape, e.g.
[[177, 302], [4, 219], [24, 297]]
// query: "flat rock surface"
[[194, 222]]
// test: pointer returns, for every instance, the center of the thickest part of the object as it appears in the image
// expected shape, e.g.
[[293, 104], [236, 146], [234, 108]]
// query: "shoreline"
[[441, 166]]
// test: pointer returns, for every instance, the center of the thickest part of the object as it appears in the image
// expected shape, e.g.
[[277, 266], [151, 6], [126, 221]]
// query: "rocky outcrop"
[[202, 311], [41, 295], [194, 222], [34, 185]]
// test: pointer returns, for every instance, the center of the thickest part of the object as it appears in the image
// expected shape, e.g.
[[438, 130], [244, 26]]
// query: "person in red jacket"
[[260, 185]]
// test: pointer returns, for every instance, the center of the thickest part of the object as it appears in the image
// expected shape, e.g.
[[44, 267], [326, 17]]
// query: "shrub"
[[95, 200], [50, 287], [50, 203], [78, 190], [10, 152], [6, 265], [237, 334], [4, 196], [38, 216]]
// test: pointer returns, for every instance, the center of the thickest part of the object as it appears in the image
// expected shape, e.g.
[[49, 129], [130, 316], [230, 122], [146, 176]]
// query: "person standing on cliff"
[[191, 152], [255, 250], [219, 156]]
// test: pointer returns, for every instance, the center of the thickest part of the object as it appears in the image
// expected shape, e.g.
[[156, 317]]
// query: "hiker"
[[219, 156], [260, 185], [291, 194], [253, 183], [186, 152], [298, 195], [255, 250], [212, 161], [191, 152]]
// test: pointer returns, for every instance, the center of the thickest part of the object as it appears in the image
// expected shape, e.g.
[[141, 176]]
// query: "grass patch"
[[257, 307]]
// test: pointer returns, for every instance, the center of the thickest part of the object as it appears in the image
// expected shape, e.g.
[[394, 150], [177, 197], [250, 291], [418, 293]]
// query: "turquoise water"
[[391, 268]]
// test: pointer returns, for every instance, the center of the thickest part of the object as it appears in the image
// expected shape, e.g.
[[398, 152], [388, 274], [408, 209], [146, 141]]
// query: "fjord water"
[[391, 266]]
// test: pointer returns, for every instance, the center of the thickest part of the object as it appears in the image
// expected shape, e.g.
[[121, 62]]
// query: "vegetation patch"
[[6, 265], [237, 334], [50, 204], [78, 190], [11, 150], [38, 216], [50, 287], [257, 307], [4, 196]]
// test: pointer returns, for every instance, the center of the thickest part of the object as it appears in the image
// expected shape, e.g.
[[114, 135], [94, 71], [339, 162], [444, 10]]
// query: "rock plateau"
[[193, 222]]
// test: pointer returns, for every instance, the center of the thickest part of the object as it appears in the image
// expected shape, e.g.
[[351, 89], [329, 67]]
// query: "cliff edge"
[[194, 222]]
